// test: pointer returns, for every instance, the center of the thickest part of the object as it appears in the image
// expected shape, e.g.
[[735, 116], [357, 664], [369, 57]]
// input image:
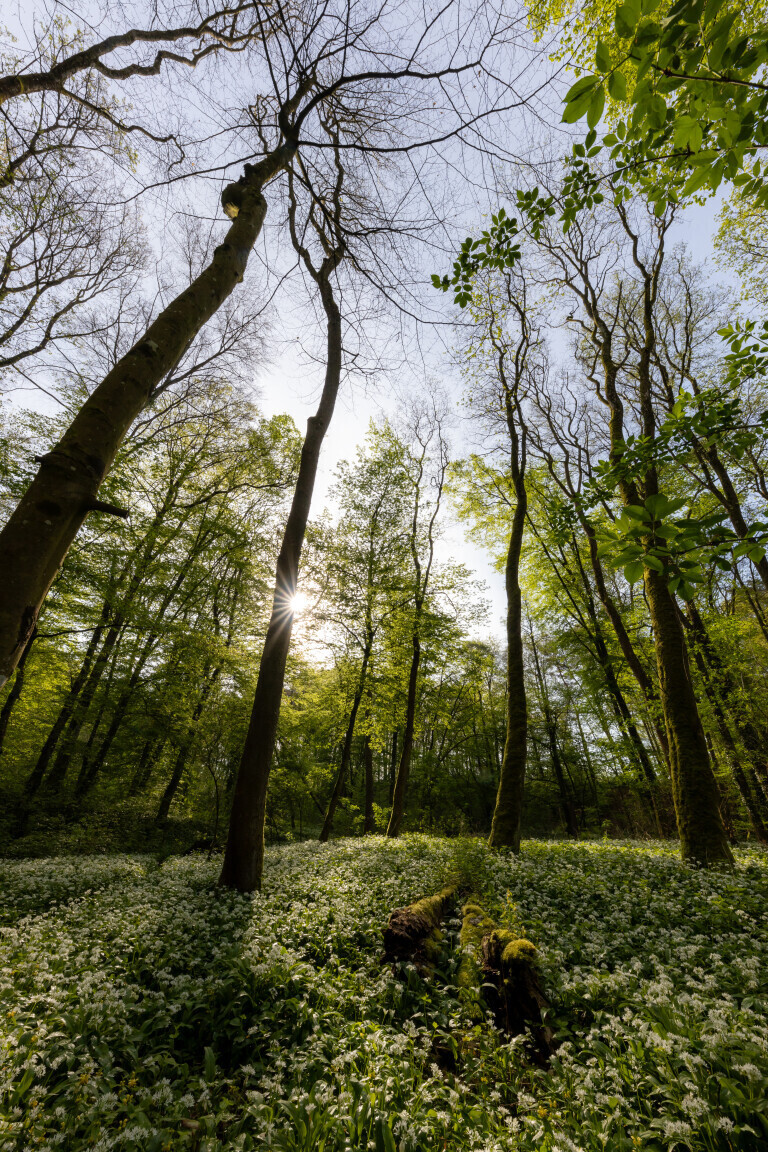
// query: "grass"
[[143, 1009]]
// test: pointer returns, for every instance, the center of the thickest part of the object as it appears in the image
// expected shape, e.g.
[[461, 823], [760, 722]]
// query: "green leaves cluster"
[[646, 536], [692, 74], [493, 248]]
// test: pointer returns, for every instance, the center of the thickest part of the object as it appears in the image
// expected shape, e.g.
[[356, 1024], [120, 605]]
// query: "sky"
[[287, 384], [290, 387]]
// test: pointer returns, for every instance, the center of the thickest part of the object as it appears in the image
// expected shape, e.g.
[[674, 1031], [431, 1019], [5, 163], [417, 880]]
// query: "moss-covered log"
[[413, 932], [509, 966], [502, 964]]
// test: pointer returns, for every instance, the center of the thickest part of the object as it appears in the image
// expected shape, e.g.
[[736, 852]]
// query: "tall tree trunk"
[[346, 752], [244, 853], [404, 767], [694, 788], [368, 819], [566, 800], [507, 814], [36, 539], [16, 687]]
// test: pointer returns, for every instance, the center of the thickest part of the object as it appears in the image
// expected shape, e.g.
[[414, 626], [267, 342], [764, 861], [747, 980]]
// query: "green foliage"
[[690, 75]]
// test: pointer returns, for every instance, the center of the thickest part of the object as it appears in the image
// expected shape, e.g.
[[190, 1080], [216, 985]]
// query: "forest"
[[384, 576]]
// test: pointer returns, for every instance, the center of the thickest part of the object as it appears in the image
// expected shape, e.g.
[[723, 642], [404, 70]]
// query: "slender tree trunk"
[[404, 767], [106, 659], [346, 752], [393, 762], [182, 756], [566, 800], [36, 539], [709, 665], [150, 754], [646, 684], [507, 814], [368, 819], [36, 776], [16, 687], [694, 787], [244, 854]]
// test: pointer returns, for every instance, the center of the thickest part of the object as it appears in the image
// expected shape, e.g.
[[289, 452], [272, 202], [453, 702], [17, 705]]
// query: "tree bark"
[[507, 814], [404, 767], [36, 539], [244, 853], [16, 688], [346, 752], [694, 787], [368, 819]]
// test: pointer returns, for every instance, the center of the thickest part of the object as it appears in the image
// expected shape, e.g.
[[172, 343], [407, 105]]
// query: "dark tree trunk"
[[346, 753], [36, 539], [393, 761], [507, 814], [150, 754], [244, 853], [16, 687], [368, 820], [36, 776], [404, 767], [694, 788], [185, 748]]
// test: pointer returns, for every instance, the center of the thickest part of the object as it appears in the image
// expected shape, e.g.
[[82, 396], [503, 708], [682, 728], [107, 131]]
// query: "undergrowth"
[[146, 1010]]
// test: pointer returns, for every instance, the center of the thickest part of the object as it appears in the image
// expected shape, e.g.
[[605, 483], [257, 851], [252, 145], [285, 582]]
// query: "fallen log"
[[413, 933], [502, 964]]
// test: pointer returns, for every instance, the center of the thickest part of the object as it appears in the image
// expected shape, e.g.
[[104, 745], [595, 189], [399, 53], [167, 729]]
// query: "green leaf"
[[585, 84], [603, 57], [596, 106], [627, 17], [617, 86], [634, 571]]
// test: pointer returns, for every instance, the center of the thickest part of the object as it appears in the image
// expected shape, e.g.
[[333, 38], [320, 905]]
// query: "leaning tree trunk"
[[182, 756], [507, 815], [36, 539], [696, 795], [244, 854]]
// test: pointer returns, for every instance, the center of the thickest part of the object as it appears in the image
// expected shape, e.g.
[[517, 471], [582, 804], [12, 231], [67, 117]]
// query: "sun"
[[298, 603]]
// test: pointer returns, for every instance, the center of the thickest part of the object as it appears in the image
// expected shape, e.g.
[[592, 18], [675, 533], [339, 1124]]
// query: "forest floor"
[[143, 1009]]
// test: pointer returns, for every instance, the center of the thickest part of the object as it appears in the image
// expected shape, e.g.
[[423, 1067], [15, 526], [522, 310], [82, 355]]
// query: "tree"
[[365, 576], [501, 361], [322, 70], [426, 463]]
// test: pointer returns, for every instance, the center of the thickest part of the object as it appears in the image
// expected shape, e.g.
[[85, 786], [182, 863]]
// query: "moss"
[[475, 924], [430, 908], [518, 952]]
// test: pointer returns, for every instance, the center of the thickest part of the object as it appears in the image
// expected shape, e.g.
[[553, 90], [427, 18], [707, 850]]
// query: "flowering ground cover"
[[143, 1009]]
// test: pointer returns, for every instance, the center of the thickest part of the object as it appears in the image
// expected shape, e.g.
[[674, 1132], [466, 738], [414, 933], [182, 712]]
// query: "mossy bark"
[[509, 966], [413, 932], [502, 964], [697, 800]]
